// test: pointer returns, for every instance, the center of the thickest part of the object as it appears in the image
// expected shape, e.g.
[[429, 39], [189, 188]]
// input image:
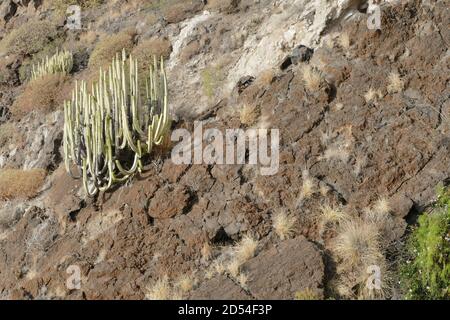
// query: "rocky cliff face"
[[364, 123]]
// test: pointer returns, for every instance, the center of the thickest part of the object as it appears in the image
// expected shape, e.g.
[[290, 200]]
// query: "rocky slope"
[[354, 136]]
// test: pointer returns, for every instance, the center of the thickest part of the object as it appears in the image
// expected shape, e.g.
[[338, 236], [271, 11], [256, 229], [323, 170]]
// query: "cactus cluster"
[[108, 130], [61, 62]]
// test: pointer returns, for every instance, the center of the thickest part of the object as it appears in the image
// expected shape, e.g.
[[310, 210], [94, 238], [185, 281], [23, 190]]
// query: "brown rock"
[[220, 288], [280, 272], [169, 201]]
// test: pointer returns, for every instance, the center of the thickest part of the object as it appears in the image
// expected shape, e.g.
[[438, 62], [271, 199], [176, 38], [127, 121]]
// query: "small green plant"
[[211, 78], [307, 294], [105, 127], [426, 272], [61, 62]]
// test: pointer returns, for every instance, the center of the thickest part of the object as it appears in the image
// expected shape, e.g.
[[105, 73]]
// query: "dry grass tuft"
[[358, 243], [109, 46], [307, 294], [372, 95], [283, 225], [396, 83], [206, 252], [266, 77], [245, 249], [307, 188], [233, 268], [186, 283], [337, 153], [330, 215], [382, 206], [312, 78], [249, 114], [163, 290], [29, 38], [25, 184], [45, 94], [344, 41]]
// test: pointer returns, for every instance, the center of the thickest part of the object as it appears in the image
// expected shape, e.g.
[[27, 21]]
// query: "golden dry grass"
[[312, 78], [307, 294], [283, 225], [395, 83], [266, 77], [186, 283], [245, 249], [249, 114], [29, 38], [358, 243], [161, 290], [344, 41], [107, 48], [23, 184], [206, 252], [45, 94], [372, 95], [307, 188]]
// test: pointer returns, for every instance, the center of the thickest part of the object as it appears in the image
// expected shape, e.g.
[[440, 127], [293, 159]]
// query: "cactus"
[[111, 122], [60, 62]]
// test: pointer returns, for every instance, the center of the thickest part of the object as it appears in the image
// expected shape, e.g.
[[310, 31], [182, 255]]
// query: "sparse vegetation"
[[211, 77], [249, 114], [147, 49], [9, 134], [344, 41], [23, 184], [359, 249], [62, 5], [29, 38], [308, 188], [372, 95], [307, 294], [312, 78], [45, 94], [107, 48], [283, 225], [245, 249], [395, 83], [186, 283], [425, 273], [162, 290]]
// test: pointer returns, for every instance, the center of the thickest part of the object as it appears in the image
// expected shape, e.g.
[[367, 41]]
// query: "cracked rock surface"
[[354, 150]]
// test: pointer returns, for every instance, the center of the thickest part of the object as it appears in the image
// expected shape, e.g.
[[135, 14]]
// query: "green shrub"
[[426, 272], [29, 38]]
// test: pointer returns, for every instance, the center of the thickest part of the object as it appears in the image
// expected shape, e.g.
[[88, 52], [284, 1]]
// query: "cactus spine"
[[61, 62], [104, 126]]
